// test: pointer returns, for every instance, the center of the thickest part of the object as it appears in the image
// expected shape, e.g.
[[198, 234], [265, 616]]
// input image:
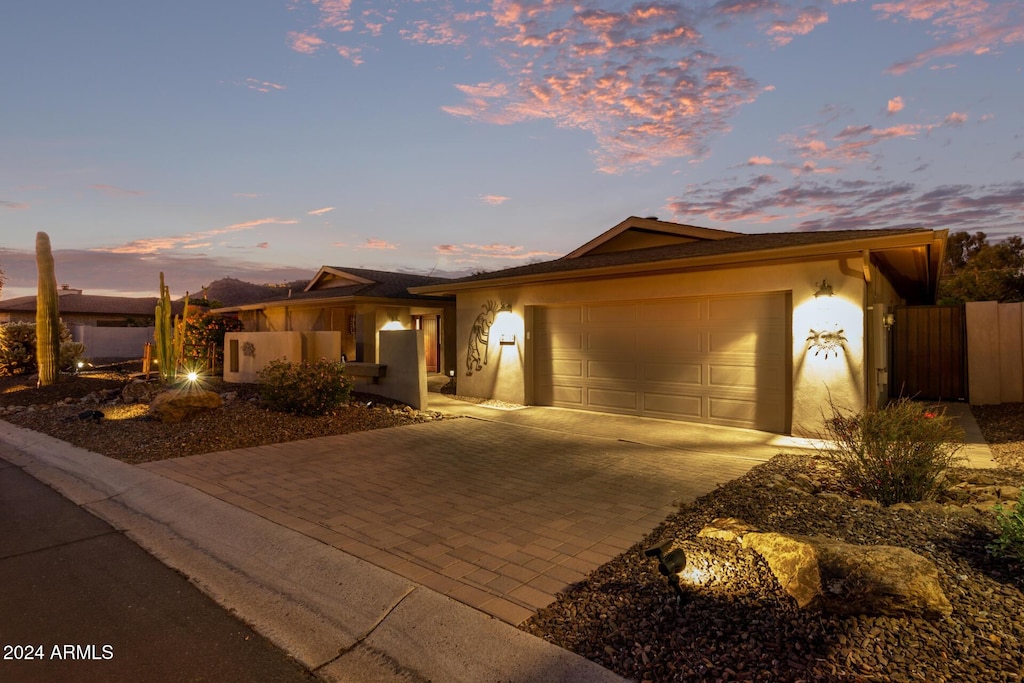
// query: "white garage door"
[[719, 360]]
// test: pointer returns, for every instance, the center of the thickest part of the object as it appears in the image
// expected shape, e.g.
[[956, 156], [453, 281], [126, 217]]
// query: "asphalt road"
[[79, 601]]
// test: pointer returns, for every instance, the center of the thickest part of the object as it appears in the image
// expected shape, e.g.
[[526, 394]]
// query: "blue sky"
[[263, 139]]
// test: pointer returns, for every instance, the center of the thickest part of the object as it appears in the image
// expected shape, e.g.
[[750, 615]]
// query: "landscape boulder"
[[852, 579], [175, 405]]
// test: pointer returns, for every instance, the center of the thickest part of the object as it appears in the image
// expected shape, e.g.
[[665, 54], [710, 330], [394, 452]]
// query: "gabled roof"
[[88, 304], [910, 257], [349, 284], [639, 233]]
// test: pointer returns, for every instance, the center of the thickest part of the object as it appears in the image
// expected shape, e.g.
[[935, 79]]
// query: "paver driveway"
[[500, 515]]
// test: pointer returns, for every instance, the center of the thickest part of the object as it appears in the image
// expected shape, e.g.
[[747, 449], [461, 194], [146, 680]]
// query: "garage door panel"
[[613, 400], [733, 376], [561, 341], [746, 308], [672, 311], [673, 406], [618, 341], [673, 373], [613, 370], [669, 342], [615, 314], [566, 368], [567, 396], [707, 359]]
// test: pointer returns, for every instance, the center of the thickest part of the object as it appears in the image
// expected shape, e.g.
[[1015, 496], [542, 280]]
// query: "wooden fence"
[[995, 352]]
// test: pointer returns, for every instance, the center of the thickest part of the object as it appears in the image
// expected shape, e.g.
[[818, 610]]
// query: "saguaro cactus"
[[47, 314], [163, 335]]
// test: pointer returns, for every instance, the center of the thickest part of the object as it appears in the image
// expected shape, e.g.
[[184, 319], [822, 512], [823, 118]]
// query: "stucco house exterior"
[[357, 303], [111, 327], [664, 320]]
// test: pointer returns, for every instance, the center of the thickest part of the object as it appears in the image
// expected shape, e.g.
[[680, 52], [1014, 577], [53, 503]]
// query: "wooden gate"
[[928, 354]]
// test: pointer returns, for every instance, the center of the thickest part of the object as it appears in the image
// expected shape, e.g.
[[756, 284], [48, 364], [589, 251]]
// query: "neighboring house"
[[111, 327], [86, 309], [358, 303], [672, 321]]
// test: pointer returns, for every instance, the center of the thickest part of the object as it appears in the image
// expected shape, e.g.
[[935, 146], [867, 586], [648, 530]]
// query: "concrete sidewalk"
[[340, 617]]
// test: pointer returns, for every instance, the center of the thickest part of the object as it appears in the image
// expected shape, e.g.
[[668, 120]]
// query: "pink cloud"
[[17, 206], [375, 243], [320, 212], [112, 191], [961, 27], [493, 199], [263, 245], [352, 54], [262, 86], [306, 43], [477, 253], [154, 245], [760, 161], [895, 105], [955, 119], [807, 19]]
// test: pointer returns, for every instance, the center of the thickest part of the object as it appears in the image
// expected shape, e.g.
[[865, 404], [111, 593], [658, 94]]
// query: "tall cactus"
[[163, 335], [47, 314]]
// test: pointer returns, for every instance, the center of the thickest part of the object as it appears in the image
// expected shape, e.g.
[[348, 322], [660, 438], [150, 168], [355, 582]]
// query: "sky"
[[266, 138]]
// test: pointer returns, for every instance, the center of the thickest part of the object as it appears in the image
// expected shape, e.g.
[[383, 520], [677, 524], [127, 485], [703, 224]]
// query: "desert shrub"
[[896, 454], [18, 348], [205, 330], [304, 388], [1010, 542]]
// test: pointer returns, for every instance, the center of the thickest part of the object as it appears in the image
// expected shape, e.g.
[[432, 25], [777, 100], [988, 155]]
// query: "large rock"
[[852, 579], [176, 405]]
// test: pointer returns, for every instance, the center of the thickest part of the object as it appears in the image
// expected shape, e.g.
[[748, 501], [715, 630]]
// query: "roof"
[[916, 253], [339, 282], [638, 233], [88, 304]]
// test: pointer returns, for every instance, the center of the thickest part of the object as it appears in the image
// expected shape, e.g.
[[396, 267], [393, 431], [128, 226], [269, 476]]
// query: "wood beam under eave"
[[866, 264]]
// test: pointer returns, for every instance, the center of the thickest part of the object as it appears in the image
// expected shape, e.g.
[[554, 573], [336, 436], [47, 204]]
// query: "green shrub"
[[1010, 542], [897, 454], [304, 388], [18, 348]]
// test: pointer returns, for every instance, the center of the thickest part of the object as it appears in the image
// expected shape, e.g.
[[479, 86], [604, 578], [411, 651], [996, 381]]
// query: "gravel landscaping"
[[737, 623]]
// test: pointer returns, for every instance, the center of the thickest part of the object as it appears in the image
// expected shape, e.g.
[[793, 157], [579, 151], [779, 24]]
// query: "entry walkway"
[[500, 510]]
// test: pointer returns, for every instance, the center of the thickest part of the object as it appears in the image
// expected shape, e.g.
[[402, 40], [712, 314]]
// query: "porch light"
[[393, 325], [824, 289], [670, 563]]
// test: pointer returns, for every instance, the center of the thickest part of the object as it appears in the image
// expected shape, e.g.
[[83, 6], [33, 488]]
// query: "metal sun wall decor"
[[479, 334], [828, 341]]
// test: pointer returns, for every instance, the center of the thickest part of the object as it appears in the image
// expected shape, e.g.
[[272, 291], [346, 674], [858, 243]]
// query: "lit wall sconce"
[[824, 289], [888, 321], [670, 563]]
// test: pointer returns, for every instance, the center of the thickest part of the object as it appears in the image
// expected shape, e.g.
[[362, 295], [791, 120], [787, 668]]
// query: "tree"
[[975, 270]]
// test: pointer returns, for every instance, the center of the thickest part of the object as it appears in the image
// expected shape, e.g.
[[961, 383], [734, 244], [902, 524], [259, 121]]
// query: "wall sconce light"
[[824, 289], [889, 320], [670, 563]]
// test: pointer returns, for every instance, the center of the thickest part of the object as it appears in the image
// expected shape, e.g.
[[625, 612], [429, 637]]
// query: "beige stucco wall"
[[405, 379], [268, 346], [815, 379]]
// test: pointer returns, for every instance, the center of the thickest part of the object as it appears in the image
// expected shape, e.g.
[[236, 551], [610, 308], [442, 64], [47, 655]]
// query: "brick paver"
[[500, 515]]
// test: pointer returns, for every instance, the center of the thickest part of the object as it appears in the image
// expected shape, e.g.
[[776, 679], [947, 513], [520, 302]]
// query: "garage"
[[716, 360]]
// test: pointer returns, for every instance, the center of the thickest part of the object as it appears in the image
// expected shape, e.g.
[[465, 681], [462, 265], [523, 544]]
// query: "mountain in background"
[[229, 291]]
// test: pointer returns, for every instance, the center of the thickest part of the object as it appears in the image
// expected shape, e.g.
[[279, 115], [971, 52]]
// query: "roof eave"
[[857, 245]]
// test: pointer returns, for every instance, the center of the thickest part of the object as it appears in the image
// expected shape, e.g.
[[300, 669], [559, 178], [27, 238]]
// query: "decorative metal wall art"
[[828, 341], [479, 334]]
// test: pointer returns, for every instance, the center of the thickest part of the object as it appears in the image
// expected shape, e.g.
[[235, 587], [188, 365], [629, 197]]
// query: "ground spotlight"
[[670, 563]]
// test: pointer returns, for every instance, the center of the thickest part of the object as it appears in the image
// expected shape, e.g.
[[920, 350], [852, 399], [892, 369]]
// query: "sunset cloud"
[[262, 86], [155, 245], [112, 191], [895, 105], [12, 205], [306, 43], [320, 212], [374, 243], [782, 32], [493, 199], [470, 254]]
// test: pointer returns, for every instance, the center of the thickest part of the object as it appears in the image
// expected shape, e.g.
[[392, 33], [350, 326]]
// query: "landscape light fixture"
[[824, 289], [670, 563]]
